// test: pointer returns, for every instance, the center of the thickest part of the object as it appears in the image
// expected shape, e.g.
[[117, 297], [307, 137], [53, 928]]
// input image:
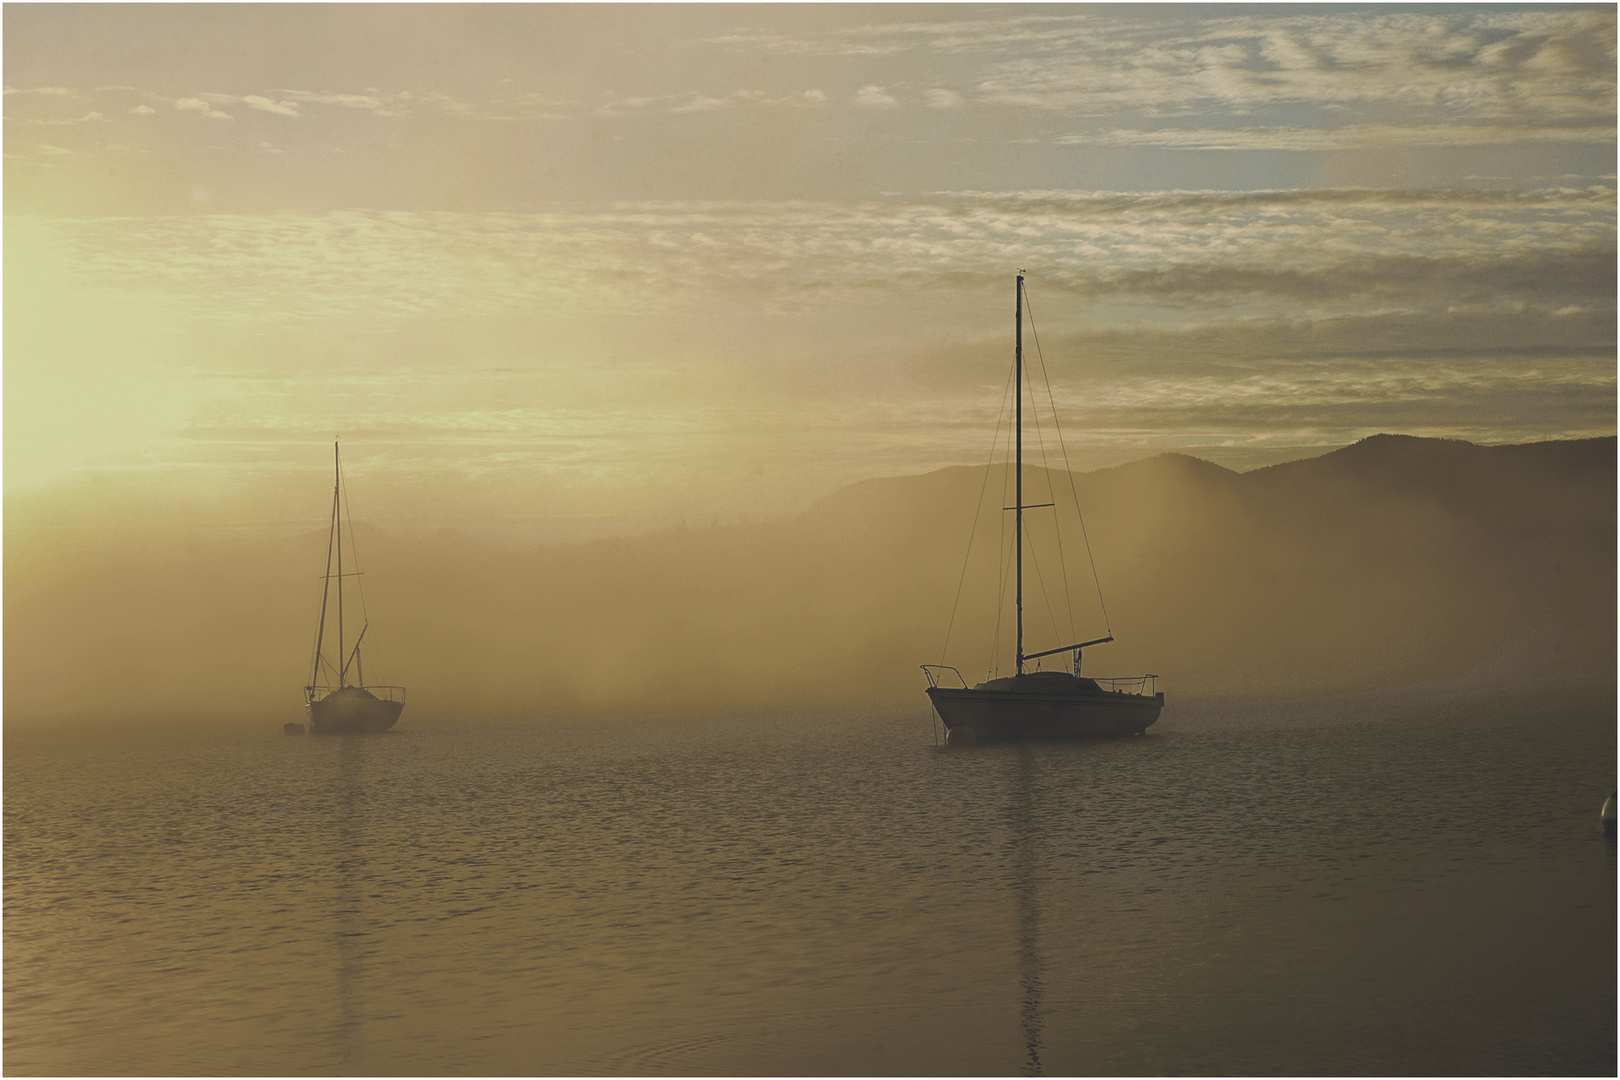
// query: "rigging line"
[[1003, 549], [974, 531], [322, 666], [1051, 616], [1033, 552], [326, 590], [1063, 561], [1001, 599], [360, 583], [1058, 424], [354, 556], [1040, 441], [1001, 580], [354, 552]]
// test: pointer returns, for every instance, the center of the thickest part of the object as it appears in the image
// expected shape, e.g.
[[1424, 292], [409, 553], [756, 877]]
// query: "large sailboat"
[[1039, 704], [337, 704]]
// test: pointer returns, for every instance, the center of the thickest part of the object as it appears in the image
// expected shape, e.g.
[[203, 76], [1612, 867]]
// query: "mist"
[[1397, 562]]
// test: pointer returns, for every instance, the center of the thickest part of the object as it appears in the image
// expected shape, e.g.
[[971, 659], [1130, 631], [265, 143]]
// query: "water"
[[1351, 887]]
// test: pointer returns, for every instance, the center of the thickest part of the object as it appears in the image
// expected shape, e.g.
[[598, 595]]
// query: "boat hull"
[[982, 715], [345, 713]]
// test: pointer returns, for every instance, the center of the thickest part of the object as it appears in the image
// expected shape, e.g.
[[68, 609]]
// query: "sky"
[[553, 272]]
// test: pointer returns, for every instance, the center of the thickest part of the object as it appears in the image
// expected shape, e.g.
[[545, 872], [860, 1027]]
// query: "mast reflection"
[[347, 928], [1025, 869]]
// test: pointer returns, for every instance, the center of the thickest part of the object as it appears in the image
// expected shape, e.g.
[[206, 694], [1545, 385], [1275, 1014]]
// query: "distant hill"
[[1394, 562]]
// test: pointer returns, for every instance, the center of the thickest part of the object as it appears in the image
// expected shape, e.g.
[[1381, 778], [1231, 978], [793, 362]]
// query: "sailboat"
[[1039, 704], [336, 704]]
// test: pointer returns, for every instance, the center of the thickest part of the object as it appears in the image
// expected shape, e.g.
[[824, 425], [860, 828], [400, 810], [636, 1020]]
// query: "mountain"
[[1394, 562]]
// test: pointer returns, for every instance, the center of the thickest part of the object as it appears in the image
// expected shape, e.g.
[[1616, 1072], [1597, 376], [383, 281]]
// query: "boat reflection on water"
[[348, 930], [1026, 860]]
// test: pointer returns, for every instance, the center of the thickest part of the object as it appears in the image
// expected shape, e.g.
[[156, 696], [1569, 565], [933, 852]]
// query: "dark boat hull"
[[982, 715], [344, 713]]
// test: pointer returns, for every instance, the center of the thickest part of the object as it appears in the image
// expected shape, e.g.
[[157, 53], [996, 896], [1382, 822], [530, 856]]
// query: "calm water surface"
[[1313, 887]]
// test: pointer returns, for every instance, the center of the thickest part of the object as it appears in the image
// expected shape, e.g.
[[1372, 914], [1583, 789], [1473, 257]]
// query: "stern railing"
[[1141, 685], [380, 692]]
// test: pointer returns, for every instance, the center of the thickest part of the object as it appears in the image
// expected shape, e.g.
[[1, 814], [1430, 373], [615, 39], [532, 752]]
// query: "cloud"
[[942, 99], [627, 106], [264, 104], [704, 103], [198, 105], [296, 103], [696, 102], [401, 103], [87, 118], [1163, 257], [1353, 137], [384, 105], [844, 43], [1180, 312], [143, 110], [875, 97], [1463, 65], [1455, 334], [1481, 64]]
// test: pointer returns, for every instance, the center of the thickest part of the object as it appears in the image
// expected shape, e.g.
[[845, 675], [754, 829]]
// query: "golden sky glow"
[[561, 271]]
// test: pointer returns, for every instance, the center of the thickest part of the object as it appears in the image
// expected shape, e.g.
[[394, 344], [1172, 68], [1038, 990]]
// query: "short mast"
[[1018, 489], [326, 592], [337, 529]]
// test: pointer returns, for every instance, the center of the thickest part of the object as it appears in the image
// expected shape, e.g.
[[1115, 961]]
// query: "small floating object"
[[292, 729], [1608, 813]]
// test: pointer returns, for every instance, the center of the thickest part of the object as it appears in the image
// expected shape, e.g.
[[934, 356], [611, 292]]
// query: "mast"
[[1018, 489], [326, 592], [1018, 529], [337, 521]]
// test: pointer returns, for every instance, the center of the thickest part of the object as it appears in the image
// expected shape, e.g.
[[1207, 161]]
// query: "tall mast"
[[337, 523], [326, 593], [1018, 489]]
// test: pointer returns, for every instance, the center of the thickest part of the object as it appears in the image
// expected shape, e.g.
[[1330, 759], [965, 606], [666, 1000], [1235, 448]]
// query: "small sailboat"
[[336, 704], [1039, 704]]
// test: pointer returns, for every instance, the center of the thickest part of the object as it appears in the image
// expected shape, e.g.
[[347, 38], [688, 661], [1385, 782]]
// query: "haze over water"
[[1334, 886]]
